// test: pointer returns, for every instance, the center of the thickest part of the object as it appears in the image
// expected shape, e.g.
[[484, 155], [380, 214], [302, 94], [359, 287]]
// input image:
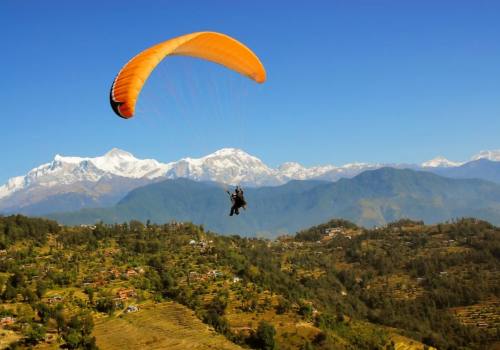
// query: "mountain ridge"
[[101, 180], [372, 198]]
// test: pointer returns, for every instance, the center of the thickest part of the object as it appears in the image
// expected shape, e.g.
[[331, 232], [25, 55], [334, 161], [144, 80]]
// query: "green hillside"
[[333, 286]]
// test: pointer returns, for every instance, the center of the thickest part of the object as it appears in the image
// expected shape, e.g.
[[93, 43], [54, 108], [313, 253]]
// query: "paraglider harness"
[[238, 201]]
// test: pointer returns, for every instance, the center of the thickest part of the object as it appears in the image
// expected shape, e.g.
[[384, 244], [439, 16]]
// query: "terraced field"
[[399, 287], [484, 315], [7, 337], [158, 326], [403, 343]]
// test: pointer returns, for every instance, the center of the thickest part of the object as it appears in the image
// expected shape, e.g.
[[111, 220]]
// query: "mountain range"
[[73, 183], [371, 198]]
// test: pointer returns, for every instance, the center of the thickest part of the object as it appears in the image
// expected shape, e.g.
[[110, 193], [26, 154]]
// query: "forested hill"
[[371, 198], [176, 286]]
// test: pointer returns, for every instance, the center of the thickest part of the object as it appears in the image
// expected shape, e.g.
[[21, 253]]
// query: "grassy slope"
[[7, 337], [161, 326]]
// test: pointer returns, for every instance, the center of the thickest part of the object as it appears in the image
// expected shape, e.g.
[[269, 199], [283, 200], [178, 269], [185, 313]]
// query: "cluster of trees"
[[75, 330], [18, 227]]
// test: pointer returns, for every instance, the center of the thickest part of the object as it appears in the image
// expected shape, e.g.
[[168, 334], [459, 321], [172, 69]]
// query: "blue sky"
[[371, 81]]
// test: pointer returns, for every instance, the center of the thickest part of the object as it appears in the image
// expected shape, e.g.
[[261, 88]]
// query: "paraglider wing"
[[211, 46]]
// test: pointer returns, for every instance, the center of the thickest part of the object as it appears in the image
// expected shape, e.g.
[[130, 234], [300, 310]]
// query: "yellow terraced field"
[[160, 326], [7, 337], [403, 343]]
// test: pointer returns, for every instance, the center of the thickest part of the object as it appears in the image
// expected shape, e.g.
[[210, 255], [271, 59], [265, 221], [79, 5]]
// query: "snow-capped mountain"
[[102, 180], [70, 170], [440, 162], [295, 171], [98, 181], [493, 155], [228, 165]]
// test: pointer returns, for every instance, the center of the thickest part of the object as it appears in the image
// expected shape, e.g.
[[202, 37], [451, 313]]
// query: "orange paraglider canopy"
[[211, 46]]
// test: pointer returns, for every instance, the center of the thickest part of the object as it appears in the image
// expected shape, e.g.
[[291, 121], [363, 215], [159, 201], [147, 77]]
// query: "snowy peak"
[[440, 162], [234, 156], [230, 152], [118, 153], [295, 171], [228, 165], [493, 155], [69, 170], [291, 167], [63, 159], [122, 163], [112, 155], [12, 185]]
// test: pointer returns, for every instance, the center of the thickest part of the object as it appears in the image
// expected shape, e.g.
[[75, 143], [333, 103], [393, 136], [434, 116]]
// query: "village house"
[[55, 299], [124, 294], [92, 227], [100, 282], [214, 274], [7, 321], [333, 231], [131, 308], [114, 272], [131, 273], [195, 276], [111, 251]]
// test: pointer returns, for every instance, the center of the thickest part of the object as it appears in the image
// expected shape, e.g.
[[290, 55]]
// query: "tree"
[[18, 279], [283, 305], [90, 293], [106, 305], [307, 346], [264, 337], [10, 292], [77, 333], [43, 312], [306, 310], [41, 288], [29, 296], [35, 333], [60, 320]]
